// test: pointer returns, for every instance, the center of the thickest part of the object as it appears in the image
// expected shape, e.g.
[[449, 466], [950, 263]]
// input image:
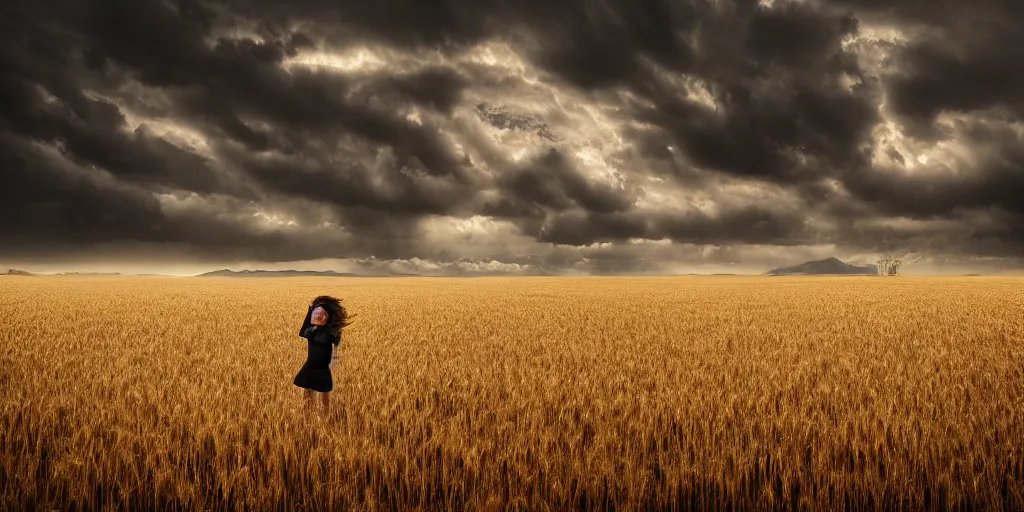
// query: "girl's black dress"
[[316, 373]]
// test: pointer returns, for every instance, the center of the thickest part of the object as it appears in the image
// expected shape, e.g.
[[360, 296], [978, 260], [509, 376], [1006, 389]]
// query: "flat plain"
[[667, 393]]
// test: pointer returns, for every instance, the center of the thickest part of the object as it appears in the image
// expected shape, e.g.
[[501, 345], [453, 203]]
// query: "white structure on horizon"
[[888, 265]]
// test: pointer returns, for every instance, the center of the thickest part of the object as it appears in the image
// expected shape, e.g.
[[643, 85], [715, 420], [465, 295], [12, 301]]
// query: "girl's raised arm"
[[306, 323]]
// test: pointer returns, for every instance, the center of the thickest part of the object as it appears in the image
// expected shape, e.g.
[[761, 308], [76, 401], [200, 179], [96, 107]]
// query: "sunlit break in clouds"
[[484, 137]]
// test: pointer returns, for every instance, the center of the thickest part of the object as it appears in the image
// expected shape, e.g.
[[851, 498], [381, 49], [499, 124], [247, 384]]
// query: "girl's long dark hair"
[[337, 317]]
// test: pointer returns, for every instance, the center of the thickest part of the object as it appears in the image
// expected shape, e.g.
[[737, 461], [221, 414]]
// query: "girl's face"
[[319, 316]]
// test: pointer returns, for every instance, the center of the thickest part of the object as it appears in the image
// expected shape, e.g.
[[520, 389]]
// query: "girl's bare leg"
[[307, 396], [326, 398]]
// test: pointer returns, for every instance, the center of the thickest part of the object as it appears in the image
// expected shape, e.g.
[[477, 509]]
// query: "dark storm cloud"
[[446, 24], [44, 101], [751, 225], [601, 44], [350, 185], [436, 88], [167, 47], [777, 77], [43, 203], [551, 183], [924, 195], [49, 206], [705, 95], [964, 57], [163, 46]]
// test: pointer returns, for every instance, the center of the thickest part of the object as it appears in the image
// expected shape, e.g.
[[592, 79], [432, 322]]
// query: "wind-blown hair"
[[337, 317]]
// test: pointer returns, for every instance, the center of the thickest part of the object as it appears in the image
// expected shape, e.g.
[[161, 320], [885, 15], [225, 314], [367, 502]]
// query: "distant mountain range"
[[90, 274], [294, 273], [16, 272], [828, 266], [276, 273]]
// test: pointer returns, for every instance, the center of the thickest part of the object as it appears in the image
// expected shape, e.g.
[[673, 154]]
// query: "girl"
[[325, 319]]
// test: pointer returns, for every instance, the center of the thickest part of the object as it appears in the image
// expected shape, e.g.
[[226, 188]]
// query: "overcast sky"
[[520, 136]]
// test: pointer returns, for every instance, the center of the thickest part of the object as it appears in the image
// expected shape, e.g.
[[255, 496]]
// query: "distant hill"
[[276, 273], [829, 266], [16, 272], [90, 274]]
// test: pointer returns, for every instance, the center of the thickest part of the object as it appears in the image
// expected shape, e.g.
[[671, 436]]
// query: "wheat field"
[[668, 393]]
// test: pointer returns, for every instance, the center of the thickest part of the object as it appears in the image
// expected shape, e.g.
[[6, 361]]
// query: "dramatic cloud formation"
[[488, 136]]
